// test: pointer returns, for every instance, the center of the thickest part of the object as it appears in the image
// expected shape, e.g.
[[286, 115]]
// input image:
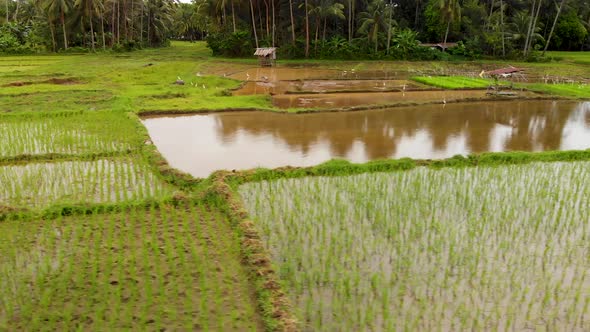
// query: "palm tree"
[[88, 8], [6, 3], [159, 20], [253, 23], [450, 12], [372, 20], [59, 8], [553, 26], [328, 9], [518, 29]]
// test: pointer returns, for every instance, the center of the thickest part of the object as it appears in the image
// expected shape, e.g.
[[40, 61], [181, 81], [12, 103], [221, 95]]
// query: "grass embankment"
[[570, 90], [454, 82], [429, 249], [142, 80]]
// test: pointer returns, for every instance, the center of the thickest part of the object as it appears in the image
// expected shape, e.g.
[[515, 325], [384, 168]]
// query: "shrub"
[[237, 44]]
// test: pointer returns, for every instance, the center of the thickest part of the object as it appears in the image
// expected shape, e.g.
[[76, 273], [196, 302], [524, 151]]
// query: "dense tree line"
[[382, 28], [33, 25], [301, 28]]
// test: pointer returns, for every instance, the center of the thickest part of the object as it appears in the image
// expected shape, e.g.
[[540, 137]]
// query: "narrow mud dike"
[[53, 80]]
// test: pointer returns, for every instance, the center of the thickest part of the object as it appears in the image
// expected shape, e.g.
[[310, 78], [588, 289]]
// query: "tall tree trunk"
[[113, 35], [223, 17], [292, 21], [253, 23], [131, 25], [267, 18], [118, 22], [376, 36], [141, 24], [446, 36], [488, 23], [7, 14], [324, 30], [52, 30], [553, 26], [233, 16], [317, 32], [148, 35], [92, 33], [502, 29], [274, 26], [15, 16], [417, 14], [83, 29], [306, 31], [389, 28], [104, 43], [350, 20], [125, 21], [63, 25], [534, 26], [530, 28]]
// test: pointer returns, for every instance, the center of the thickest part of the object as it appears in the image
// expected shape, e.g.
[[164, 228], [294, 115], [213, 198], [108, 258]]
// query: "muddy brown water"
[[201, 144], [273, 74], [324, 86], [336, 100]]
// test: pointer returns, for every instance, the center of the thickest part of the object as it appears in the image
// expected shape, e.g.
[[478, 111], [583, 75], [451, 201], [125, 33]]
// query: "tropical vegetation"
[[300, 28]]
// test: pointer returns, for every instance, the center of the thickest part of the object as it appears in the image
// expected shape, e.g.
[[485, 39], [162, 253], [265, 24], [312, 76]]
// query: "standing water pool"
[[201, 144]]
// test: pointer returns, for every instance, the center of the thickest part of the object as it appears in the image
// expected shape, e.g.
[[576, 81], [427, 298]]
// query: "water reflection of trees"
[[532, 125]]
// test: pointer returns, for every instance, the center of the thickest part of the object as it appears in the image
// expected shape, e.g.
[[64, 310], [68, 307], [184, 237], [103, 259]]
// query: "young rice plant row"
[[102, 181], [485, 248]]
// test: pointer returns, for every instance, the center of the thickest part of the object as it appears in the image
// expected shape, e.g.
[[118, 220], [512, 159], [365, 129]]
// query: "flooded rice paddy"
[[329, 88], [201, 144], [325, 86]]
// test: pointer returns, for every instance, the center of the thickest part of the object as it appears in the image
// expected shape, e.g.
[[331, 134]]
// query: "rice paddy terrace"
[[447, 207]]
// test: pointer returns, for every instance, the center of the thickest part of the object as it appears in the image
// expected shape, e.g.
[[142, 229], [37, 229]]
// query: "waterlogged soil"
[[325, 86], [54, 80], [339, 100], [309, 87], [201, 144]]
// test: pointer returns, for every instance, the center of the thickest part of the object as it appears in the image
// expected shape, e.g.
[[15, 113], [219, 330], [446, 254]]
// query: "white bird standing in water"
[[199, 74], [444, 102], [204, 87], [247, 76]]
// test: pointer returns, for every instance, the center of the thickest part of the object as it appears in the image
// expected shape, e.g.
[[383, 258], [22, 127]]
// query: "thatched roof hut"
[[267, 56]]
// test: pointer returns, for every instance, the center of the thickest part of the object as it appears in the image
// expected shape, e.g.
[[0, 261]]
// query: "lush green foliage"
[[389, 243], [572, 90]]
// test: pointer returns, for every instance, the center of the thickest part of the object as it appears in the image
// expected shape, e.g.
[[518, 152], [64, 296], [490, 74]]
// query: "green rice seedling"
[[122, 272], [67, 133], [502, 247], [454, 82], [42, 184]]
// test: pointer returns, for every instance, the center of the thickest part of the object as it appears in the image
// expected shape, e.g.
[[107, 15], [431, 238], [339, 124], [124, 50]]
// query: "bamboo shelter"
[[267, 56]]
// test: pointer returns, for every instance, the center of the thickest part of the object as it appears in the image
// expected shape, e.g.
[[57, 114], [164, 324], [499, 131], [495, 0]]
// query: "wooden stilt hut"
[[267, 56]]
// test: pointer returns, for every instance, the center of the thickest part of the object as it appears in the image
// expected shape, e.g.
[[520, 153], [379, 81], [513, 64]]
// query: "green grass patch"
[[60, 100], [454, 82], [428, 249], [575, 90], [160, 269]]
